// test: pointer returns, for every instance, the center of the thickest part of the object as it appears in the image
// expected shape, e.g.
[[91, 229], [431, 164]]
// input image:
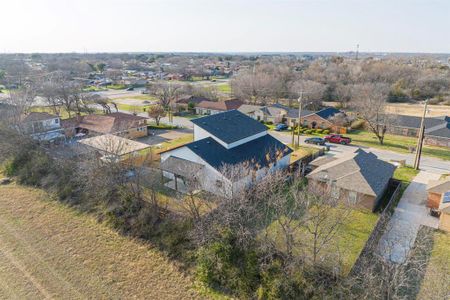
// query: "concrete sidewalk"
[[410, 213]]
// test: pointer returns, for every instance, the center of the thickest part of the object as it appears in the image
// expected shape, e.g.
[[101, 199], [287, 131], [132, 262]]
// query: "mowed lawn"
[[48, 250], [347, 243]]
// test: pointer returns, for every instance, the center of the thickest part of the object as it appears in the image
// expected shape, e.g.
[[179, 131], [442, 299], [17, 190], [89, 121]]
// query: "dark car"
[[130, 88], [338, 139], [281, 127], [315, 140]]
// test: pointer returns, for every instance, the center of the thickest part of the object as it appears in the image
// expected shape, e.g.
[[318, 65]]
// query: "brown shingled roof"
[[37, 116], [221, 105], [110, 123]]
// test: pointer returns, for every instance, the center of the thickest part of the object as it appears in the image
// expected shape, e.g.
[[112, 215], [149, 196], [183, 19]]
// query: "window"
[[219, 183], [335, 191], [56, 121], [352, 197]]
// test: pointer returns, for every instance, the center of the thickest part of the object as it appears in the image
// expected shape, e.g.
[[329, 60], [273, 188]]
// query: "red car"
[[338, 139]]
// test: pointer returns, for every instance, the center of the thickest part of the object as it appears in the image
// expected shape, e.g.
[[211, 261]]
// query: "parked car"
[[315, 141], [281, 127], [130, 88], [338, 139]]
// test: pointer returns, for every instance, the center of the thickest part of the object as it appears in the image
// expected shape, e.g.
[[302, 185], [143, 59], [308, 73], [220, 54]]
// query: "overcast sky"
[[224, 25]]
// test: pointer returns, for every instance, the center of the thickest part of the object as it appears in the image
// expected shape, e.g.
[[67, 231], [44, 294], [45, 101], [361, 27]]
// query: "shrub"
[[224, 264], [269, 123], [326, 131], [308, 131], [357, 124], [319, 130]]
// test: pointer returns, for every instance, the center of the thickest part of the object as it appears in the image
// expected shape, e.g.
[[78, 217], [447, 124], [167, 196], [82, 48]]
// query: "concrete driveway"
[[160, 136], [410, 213]]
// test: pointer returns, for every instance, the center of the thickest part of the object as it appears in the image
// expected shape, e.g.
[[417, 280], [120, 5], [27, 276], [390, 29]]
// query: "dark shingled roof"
[[414, 122], [328, 112], [360, 171], [230, 126], [443, 131], [293, 112], [261, 151]]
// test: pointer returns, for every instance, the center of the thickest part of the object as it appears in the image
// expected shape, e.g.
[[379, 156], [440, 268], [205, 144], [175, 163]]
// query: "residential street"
[[431, 164], [410, 213]]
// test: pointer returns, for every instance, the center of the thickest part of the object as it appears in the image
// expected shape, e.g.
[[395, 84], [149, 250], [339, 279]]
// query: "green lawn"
[[132, 108], [396, 143], [63, 113], [437, 275], [116, 86], [347, 243], [224, 88], [405, 174]]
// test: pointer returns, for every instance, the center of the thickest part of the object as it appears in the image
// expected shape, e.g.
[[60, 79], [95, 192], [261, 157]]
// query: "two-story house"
[[41, 126], [230, 151]]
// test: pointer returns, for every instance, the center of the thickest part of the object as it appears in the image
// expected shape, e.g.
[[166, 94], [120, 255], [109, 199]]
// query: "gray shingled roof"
[[360, 171], [414, 122], [260, 152], [230, 126]]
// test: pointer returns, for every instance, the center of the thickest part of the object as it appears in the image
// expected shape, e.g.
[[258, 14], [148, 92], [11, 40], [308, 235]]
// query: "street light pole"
[[299, 116], [420, 138]]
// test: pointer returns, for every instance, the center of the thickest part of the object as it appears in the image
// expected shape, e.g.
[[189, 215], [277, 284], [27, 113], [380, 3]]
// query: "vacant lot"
[[50, 251]]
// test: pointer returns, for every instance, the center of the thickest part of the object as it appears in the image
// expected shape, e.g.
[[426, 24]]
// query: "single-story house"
[[122, 124], [41, 126], [113, 147], [357, 178], [230, 151], [183, 103], [212, 107], [439, 200], [278, 113], [437, 129]]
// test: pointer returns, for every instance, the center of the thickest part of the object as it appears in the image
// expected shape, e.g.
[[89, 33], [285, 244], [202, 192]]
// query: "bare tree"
[[156, 112], [166, 92], [369, 102]]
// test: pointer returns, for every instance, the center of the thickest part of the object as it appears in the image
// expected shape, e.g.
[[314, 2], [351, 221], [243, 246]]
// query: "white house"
[[221, 142], [41, 126]]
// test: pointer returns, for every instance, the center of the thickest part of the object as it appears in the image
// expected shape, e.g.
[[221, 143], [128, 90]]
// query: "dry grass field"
[[417, 110], [48, 250]]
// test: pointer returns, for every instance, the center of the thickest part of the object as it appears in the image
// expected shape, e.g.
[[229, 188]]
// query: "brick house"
[[437, 130], [438, 200], [213, 107], [183, 103], [358, 179], [121, 124]]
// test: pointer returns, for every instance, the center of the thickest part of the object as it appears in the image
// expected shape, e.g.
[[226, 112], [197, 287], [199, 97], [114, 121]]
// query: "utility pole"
[[299, 116], [420, 138], [293, 133], [357, 51]]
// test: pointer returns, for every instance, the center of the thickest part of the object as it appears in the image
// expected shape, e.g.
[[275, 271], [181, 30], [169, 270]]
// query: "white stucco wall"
[[209, 176]]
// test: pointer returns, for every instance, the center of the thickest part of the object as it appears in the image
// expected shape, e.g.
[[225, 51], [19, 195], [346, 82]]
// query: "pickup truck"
[[338, 139]]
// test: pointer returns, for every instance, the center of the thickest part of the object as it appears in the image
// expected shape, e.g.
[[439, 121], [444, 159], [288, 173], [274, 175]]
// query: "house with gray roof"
[[357, 178], [230, 151], [437, 129]]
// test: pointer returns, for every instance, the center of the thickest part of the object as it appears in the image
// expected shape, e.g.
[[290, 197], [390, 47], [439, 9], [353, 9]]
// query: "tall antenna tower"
[[357, 51]]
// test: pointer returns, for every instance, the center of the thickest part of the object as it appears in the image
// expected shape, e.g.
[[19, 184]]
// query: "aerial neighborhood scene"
[[224, 149]]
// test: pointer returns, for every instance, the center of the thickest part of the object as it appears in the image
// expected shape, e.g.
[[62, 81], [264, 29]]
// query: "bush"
[[358, 124], [269, 123], [326, 131], [223, 264], [30, 166], [319, 130], [308, 131]]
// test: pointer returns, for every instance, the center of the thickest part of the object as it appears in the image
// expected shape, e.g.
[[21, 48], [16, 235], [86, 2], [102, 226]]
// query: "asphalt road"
[[430, 164]]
